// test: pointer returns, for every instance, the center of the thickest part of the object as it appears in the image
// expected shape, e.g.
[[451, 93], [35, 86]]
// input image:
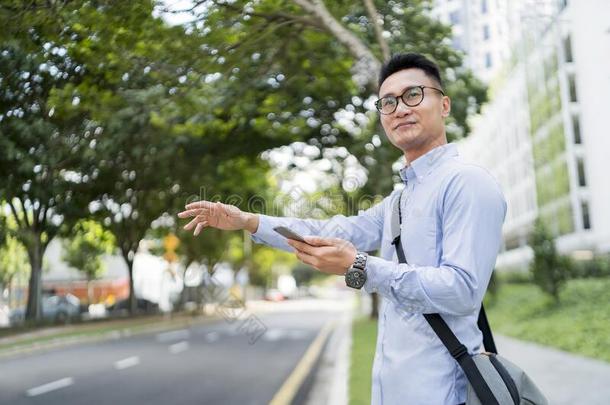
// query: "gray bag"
[[525, 391], [493, 380]]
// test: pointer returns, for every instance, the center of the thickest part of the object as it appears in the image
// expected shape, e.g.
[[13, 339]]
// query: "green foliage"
[[364, 335], [597, 267], [580, 323], [300, 75], [13, 260], [107, 110], [265, 264], [549, 270], [515, 277], [303, 274], [84, 250]]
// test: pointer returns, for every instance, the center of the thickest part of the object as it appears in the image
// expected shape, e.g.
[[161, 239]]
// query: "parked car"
[[57, 308], [274, 295], [143, 306]]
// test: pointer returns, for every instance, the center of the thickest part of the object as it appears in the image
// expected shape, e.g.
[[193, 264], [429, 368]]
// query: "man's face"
[[420, 128]]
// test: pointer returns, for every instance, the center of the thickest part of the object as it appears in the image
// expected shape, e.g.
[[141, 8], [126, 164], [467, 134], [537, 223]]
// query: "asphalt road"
[[218, 363]]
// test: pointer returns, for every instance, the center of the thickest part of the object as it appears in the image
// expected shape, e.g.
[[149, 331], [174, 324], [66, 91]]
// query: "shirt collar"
[[423, 165]]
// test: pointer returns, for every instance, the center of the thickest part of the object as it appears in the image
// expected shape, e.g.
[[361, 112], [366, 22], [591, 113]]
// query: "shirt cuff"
[[263, 230], [379, 274], [266, 235]]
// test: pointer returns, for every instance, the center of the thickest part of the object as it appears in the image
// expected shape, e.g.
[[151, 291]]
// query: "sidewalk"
[[564, 378]]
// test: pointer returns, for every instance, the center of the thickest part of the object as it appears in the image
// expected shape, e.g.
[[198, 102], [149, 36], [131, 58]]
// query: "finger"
[[193, 212], [199, 227], [199, 204], [303, 247], [340, 243], [318, 241], [191, 224], [307, 259], [195, 221]]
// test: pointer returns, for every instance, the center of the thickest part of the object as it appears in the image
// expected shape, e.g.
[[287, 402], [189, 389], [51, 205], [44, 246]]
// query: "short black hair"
[[403, 61]]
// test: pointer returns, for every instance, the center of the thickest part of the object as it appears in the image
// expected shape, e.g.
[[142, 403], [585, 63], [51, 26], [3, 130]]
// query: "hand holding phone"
[[287, 233]]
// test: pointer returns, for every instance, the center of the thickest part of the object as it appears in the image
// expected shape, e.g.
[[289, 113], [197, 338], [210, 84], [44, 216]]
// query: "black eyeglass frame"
[[378, 102]]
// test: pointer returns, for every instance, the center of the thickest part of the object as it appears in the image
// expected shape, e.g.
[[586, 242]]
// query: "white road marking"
[[179, 334], [126, 363], [179, 347], [277, 334], [212, 336], [274, 334], [52, 386]]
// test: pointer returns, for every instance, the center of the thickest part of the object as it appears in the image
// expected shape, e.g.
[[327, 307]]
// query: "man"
[[452, 214]]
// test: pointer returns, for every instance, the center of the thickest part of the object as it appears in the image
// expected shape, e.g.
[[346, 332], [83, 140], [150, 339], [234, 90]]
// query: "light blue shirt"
[[452, 215]]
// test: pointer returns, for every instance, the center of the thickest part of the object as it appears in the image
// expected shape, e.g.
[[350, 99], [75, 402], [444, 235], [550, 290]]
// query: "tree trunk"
[[35, 252], [89, 292], [374, 306], [9, 298], [132, 294], [129, 258]]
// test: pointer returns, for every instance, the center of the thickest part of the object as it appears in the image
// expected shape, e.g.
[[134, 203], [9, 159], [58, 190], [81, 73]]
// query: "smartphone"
[[287, 233]]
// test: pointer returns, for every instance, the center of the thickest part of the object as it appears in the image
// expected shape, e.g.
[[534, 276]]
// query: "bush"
[[599, 267], [549, 270], [515, 277]]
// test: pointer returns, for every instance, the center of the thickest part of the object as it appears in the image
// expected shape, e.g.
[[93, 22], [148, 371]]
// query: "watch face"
[[355, 278]]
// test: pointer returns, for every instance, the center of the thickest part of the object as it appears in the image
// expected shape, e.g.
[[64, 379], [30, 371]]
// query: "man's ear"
[[446, 108]]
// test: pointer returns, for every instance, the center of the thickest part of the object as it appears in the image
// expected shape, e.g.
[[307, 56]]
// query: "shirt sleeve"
[[363, 230], [472, 210]]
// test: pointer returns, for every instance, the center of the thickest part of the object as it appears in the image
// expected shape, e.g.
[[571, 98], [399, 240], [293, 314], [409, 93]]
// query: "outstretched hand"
[[217, 215]]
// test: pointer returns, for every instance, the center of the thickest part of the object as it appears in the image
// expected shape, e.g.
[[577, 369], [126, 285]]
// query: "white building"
[[543, 134], [482, 29]]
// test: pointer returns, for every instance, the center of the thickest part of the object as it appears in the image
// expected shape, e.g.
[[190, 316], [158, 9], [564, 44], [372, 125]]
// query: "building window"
[[484, 6], [582, 181], [486, 32], [457, 43], [563, 4], [454, 17], [586, 221], [572, 84], [488, 61], [567, 49], [576, 128]]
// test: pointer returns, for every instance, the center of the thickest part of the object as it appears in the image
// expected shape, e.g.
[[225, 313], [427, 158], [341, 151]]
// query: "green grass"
[[580, 323], [364, 335]]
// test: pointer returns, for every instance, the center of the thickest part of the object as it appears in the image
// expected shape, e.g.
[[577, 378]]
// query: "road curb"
[[303, 370], [119, 333]]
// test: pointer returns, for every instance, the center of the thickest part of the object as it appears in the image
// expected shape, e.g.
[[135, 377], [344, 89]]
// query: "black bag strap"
[[458, 351]]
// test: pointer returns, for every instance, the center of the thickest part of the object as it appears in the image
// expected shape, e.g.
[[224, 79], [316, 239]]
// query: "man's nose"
[[402, 108]]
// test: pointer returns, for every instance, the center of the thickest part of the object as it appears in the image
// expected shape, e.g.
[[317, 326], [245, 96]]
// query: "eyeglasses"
[[413, 96]]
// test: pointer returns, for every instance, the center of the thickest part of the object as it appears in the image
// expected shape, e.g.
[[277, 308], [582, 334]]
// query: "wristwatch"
[[356, 274]]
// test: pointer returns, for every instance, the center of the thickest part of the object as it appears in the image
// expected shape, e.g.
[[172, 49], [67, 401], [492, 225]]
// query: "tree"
[[85, 249], [44, 149], [318, 60], [13, 256], [549, 270]]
